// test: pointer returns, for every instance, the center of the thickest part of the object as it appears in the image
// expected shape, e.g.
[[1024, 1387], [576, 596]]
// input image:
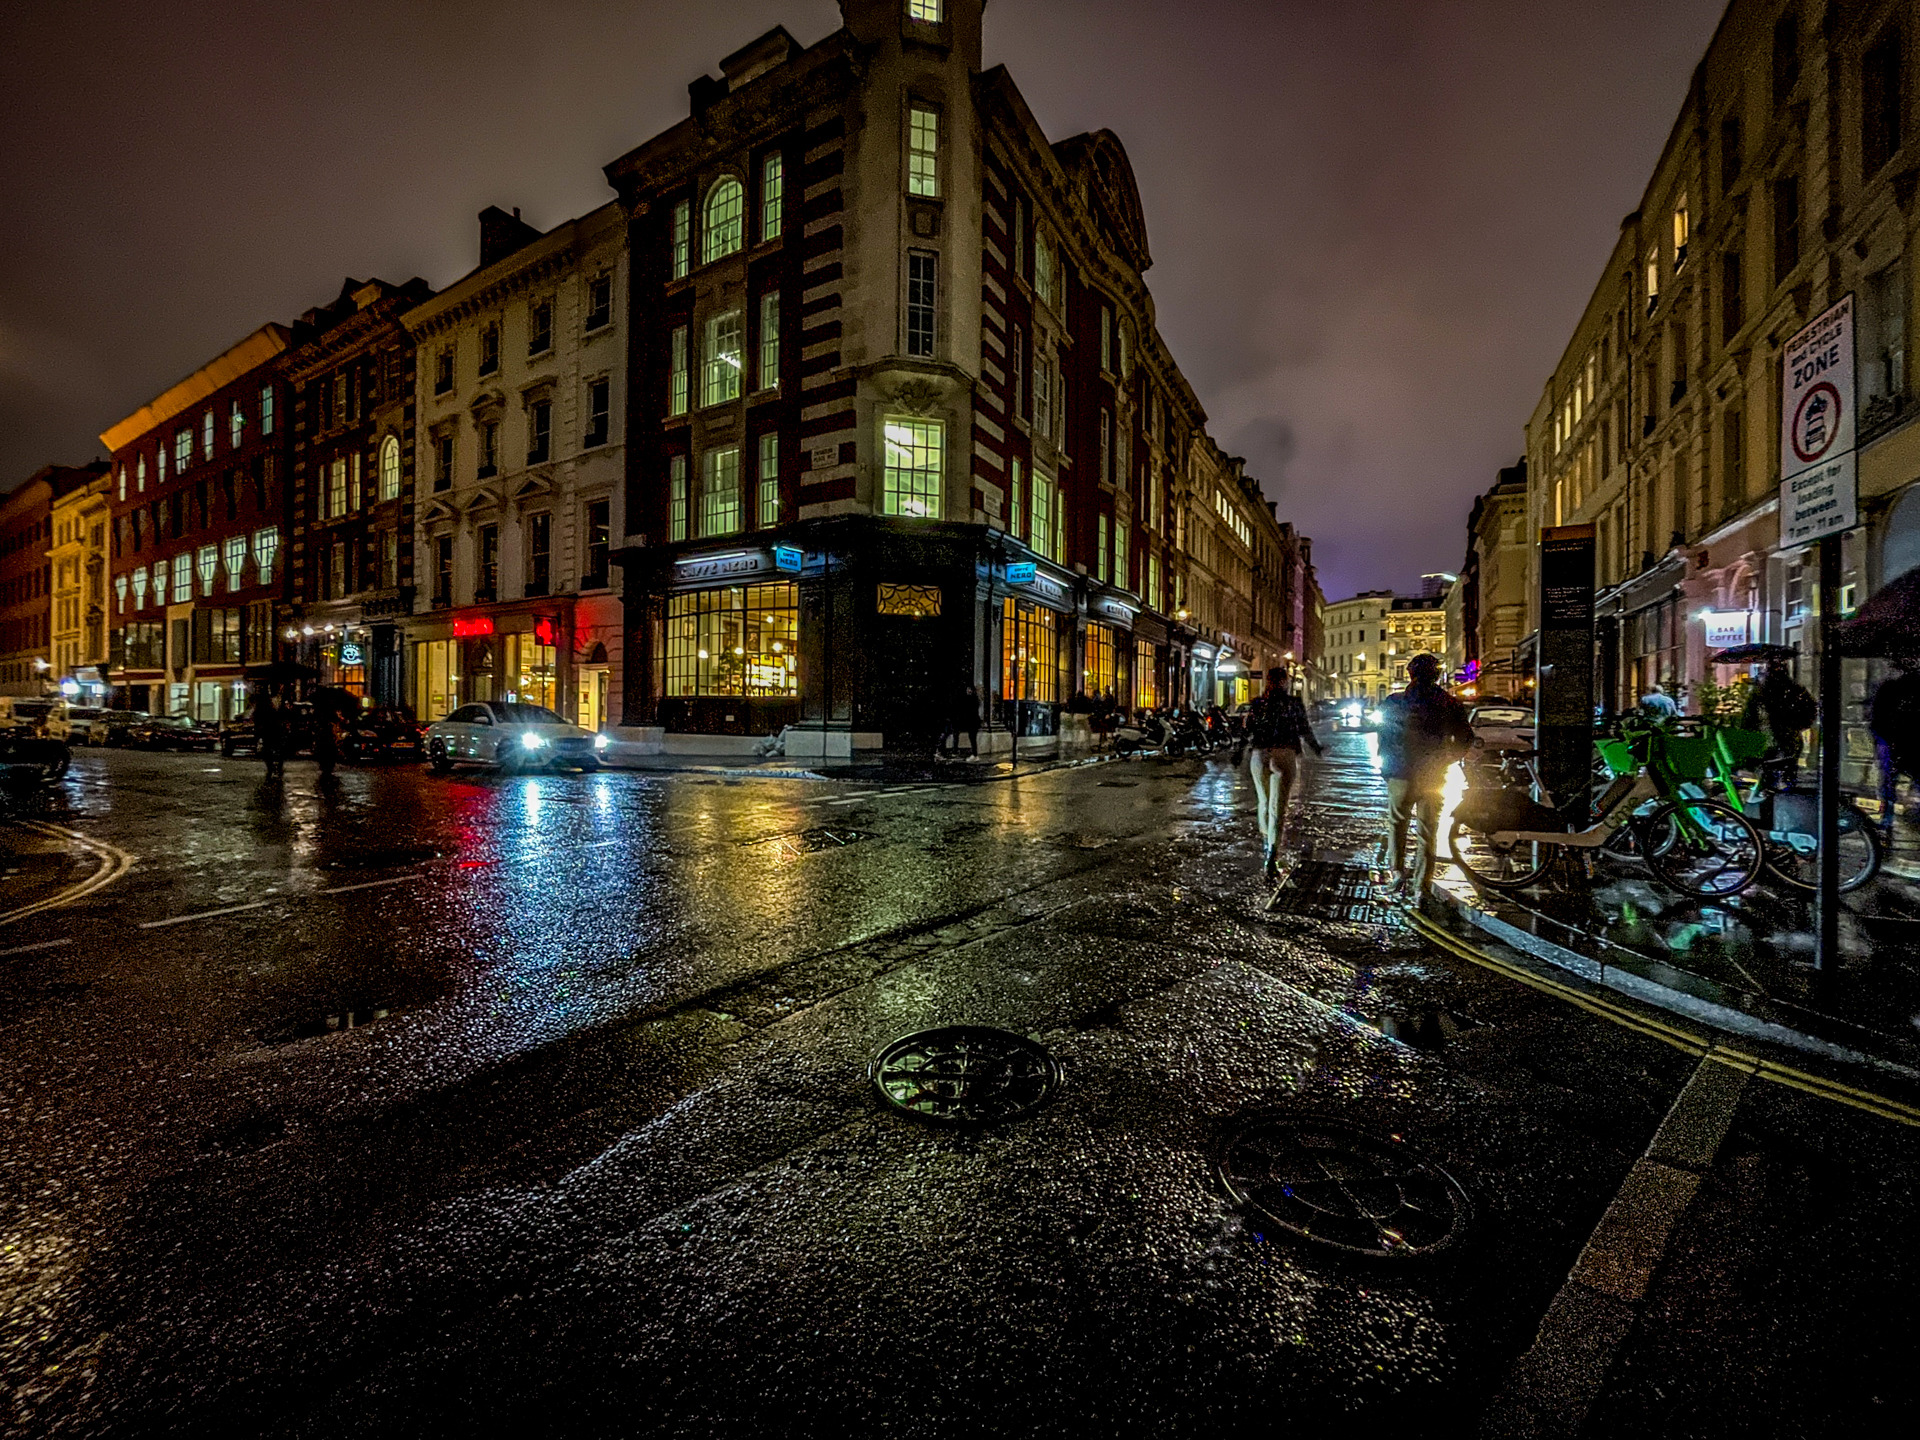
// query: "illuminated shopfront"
[[1101, 672], [1146, 677], [530, 666], [732, 657]]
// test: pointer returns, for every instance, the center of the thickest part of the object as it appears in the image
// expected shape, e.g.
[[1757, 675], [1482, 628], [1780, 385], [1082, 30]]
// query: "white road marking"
[[205, 914], [38, 945], [372, 884]]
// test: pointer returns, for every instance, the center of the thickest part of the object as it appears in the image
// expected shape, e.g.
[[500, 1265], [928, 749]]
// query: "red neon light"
[[477, 625], [543, 631]]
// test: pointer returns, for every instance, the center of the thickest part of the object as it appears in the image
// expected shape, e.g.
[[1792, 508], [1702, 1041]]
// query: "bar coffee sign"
[[1819, 487]]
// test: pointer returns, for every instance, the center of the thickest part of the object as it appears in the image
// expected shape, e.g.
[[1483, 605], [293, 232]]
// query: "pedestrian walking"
[[1423, 730], [1783, 707], [1894, 717], [270, 730], [966, 720], [1277, 726]]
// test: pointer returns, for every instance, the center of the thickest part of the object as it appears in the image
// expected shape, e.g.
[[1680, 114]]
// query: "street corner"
[[44, 866]]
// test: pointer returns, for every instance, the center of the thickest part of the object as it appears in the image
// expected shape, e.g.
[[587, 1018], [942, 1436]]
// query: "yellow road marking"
[[114, 862], [1690, 1041]]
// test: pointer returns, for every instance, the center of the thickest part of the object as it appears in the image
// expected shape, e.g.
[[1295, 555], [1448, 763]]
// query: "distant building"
[[350, 570], [82, 509], [26, 585], [521, 394], [199, 517], [1416, 625], [1358, 666], [1502, 550]]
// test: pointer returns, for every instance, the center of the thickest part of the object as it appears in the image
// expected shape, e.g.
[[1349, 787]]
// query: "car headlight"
[[599, 742], [532, 741]]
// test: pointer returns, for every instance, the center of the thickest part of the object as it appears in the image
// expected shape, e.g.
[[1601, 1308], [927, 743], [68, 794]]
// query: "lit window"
[[927, 10], [923, 151], [770, 479], [182, 451], [682, 231], [722, 381], [915, 453], [1040, 525], [1102, 558], [140, 588], [1653, 276], [1681, 231], [140, 472], [677, 498], [123, 482], [390, 469], [920, 299], [1042, 267], [720, 492], [677, 373], [182, 579], [236, 426], [772, 196], [354, 492], [722, 220], [770, 340], [337, 488], [266, 410], [236, 558], [206, 435]]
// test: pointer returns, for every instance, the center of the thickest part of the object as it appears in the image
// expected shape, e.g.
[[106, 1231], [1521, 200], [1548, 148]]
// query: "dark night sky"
[[1374, 223]]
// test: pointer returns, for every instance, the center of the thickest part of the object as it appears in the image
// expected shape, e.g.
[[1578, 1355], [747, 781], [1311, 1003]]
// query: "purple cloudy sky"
[[1373, 223]]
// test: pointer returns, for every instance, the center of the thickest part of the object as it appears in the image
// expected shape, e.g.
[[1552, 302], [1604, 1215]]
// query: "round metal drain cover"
[[964, 1075], [1366, 1194]]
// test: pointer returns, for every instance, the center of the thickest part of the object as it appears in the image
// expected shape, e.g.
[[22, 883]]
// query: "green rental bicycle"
[[1504, 839]]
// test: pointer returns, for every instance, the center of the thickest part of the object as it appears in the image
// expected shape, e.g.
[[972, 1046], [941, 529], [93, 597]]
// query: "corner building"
[[900, 420]]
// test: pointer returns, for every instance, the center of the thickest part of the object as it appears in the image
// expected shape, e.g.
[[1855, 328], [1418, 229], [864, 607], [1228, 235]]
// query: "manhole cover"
[[1323, 891], [964, 1075], [1366, 1194]]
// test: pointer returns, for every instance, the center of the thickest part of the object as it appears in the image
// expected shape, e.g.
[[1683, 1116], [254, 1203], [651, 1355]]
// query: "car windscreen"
[[515, 713], [1514, 716]]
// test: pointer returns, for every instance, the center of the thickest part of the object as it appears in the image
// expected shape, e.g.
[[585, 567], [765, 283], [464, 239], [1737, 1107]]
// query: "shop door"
[[593, 697], [906, 679]]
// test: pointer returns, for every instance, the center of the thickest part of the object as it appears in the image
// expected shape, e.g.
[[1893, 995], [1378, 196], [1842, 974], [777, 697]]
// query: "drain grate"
[[1335, 1185], [964, 1075], [1319, 890]]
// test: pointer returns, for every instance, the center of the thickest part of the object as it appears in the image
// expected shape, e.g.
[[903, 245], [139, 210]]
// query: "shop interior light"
[[704, 655], [306, 629]]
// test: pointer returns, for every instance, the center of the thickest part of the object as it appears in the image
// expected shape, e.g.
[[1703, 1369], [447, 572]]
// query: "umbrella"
[[1754, 654], [282, 672], [1888, 624]]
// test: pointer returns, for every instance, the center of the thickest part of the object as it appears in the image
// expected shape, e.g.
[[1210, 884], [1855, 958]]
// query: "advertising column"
[[1819, 501], [1563, 697]]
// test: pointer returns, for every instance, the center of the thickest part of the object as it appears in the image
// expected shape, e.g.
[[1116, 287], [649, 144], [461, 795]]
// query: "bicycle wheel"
[[1510, 867], [1793, 856], [1702, 848]]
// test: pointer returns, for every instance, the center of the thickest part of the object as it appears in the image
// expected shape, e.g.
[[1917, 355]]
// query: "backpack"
[[1793, 708]]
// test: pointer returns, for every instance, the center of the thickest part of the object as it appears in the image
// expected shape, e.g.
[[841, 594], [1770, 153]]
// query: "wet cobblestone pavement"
[[410, 1106]]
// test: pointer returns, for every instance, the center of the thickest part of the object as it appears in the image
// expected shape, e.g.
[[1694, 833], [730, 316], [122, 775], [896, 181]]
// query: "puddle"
[[335, 1022], [1432, 1029]]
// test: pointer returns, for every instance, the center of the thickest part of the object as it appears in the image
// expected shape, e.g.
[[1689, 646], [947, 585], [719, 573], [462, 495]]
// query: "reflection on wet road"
[[399, 1104]]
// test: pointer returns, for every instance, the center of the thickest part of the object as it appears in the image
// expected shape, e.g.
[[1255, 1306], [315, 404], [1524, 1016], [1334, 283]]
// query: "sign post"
[[1563, 689], [1819, 500]]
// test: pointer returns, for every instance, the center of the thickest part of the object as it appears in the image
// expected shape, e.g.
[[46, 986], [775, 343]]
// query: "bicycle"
[[1787, 817], [1506, 840]]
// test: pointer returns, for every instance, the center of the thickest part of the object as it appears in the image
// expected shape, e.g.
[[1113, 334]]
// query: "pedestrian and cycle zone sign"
[[1819, 485]]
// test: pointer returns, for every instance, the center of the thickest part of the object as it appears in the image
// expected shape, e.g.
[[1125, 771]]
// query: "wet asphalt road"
[[400, 1105]]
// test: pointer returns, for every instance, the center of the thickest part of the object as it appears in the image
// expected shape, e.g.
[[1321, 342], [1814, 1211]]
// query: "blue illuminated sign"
[[787, 558], [1022, 573]]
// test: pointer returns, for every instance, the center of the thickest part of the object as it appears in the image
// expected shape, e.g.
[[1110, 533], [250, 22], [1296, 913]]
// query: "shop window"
[[1100, 675], [530, 669], [740, 640], [146, 643], [1029, 652], [915, 453], [437, 674], [1146, 677]]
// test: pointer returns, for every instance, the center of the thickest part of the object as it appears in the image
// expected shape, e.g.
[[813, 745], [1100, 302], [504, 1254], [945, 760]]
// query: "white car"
[[512, 736], [1501, 727]]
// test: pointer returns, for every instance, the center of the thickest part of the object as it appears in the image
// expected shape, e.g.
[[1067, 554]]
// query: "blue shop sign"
[[1022, 573], [787, 558], [351, 654]]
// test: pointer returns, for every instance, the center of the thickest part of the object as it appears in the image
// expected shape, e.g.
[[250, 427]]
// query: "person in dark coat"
[[1277, 727], [1784, 708], [270, 729], [966, 720], [1423, 730], [1894, 717]]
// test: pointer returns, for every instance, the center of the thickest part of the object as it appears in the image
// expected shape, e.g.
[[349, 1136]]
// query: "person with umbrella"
[[270, 728], [1784, 708]]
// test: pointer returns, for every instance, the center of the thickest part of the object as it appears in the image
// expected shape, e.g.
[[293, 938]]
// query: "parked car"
[[175, 732], [237, 738], [47, 719], [1501, 727], [383, 731], [512, 736], [114, 727]]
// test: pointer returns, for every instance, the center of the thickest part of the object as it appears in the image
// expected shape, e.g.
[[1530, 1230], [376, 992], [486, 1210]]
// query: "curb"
[[1514, 966]]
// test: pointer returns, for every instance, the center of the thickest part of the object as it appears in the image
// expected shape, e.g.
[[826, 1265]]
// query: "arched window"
[[390, 468], [722, 221]]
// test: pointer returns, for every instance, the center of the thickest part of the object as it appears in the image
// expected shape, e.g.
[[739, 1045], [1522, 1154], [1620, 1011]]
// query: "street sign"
[[787, 558], [1819, 502], [1816, 411], [1021, 572]]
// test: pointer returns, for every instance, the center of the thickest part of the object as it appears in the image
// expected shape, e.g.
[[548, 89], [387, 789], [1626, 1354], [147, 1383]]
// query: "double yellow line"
[[114, 862], [1692, 1042]]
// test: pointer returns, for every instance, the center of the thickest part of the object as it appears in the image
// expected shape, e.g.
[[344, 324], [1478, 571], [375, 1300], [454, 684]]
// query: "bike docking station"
[[1819, 502]]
